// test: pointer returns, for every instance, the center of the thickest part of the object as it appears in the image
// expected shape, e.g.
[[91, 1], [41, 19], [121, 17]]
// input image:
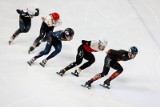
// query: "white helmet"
[[103, 43], [31, 11]]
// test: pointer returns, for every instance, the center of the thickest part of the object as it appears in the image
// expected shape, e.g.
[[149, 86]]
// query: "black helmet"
[[69, 32], [133, 50]]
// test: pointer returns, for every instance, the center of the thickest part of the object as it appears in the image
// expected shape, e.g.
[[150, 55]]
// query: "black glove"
[[86, 42], [19, 11], [37, 13]]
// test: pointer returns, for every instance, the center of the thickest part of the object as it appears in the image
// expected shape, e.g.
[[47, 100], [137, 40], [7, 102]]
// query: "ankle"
[[78, 70]]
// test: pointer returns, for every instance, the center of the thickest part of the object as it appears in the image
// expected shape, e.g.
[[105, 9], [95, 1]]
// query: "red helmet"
[[55, 16]]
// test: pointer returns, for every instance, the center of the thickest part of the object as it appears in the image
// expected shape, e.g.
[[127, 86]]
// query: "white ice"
[[123, 23]]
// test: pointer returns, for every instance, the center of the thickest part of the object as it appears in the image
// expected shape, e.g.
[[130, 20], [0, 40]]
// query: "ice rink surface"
[[123, 23]]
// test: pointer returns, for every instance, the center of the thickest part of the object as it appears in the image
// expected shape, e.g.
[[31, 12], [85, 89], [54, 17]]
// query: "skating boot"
[[31, 61], [87, 84], [43, 63], [11, 39], [30, 49], [106, 84], [61, 73], [75, 73]]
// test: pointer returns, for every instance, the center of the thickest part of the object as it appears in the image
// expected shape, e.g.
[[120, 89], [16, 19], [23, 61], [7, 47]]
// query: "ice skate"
[[106, 84], [43, 63], [11, 40], [31, 61], [61, 73], [75, 73], [30, 49], [87, 84]]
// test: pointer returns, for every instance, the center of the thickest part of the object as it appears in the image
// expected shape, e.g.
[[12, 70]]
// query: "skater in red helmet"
[[48, 24]]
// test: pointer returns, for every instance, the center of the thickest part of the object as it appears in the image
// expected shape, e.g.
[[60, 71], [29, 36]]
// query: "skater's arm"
[[47, 20], [37, 13], [21, 12]]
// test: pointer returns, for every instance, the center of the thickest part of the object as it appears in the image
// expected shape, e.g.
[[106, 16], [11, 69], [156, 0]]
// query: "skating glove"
[[86, 42], [20, 12], [37, 13]]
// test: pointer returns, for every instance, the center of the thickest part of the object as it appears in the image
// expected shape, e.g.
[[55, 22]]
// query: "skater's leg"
[[54, 53], [79, 58], [105, 71], [27, 28], [17, 32], [119, 69], [24, 28], [91, 59], [100, 75], [45, 51], [37, 41]]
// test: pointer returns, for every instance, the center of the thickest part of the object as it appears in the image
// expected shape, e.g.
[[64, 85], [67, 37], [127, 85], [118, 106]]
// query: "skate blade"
[[9, 42], [104, 86], [85, 86], [42, 64], [59, 74], [29, 52], [29, 63], [74, 74]]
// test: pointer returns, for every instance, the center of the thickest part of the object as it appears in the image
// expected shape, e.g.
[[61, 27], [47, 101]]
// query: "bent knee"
[[104, 73], [24, 30], [58, 50], [91, 61], [45, 52], [120, 70], [78, 62]]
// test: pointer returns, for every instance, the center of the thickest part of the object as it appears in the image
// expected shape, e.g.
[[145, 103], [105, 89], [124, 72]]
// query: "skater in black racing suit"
[[111, 61]]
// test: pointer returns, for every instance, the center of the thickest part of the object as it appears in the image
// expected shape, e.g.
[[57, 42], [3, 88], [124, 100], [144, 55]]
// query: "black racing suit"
[[83, 53], [54, 39], [44, 30], [24, 21], [111, 61]]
